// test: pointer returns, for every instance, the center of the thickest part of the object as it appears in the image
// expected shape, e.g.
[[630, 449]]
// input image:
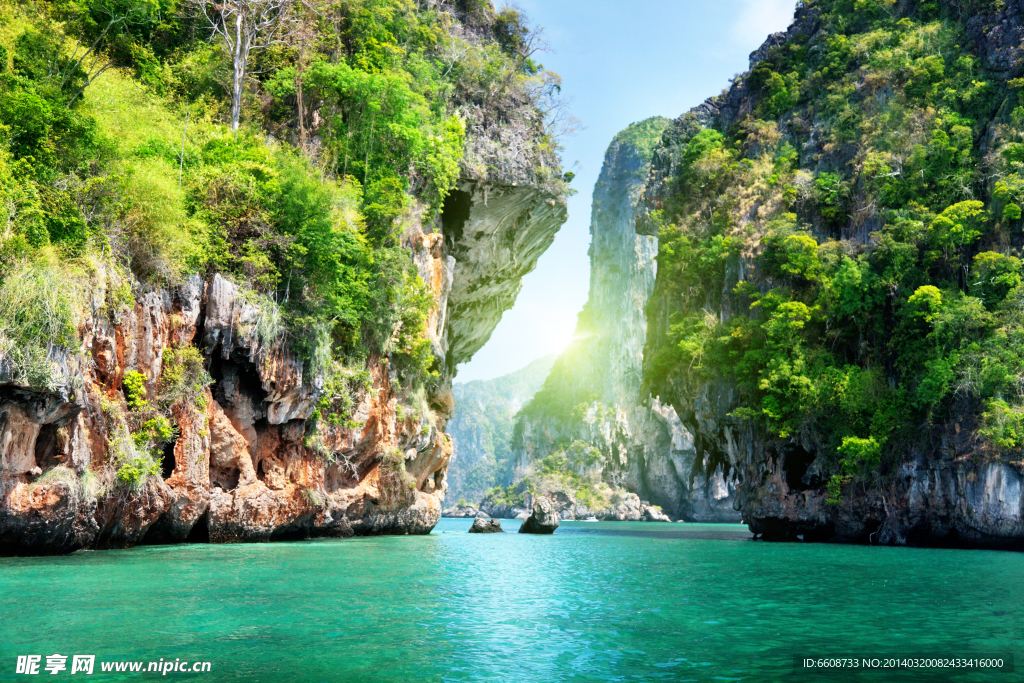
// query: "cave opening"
[[168, 462], [200, 532], [454, 215], [47, 447], [795, 464]]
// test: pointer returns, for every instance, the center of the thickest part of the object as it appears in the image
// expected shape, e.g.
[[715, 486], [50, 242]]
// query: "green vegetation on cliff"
[[567, 394], [848, 255], [119, 167], [566, 436], [481, 427]]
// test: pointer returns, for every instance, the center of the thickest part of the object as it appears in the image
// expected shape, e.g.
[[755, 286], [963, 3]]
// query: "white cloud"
[[759, 18]]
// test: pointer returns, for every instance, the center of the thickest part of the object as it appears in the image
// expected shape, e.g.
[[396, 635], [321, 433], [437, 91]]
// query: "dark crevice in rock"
[[167, 464], [454, 215], [795, 464], [200, 532], [291, 534], [47, 447]]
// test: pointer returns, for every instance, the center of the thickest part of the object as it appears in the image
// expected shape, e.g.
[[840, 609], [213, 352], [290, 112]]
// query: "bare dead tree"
[[245, 26], [302, 35], [546, 92]]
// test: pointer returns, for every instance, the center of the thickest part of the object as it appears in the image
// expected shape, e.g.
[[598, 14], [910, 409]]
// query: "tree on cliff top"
[[245, 26]]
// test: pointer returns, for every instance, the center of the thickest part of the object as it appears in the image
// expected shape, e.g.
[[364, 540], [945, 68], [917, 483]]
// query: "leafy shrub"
[[831, 193], [994, 276], [1003, 425], [183, 378], [338, 399], [134, 465], [134, 384], [154, 432], [40, 307], [859, 454]]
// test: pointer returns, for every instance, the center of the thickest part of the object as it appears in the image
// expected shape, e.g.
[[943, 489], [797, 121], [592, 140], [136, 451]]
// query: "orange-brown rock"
[[246, 462]]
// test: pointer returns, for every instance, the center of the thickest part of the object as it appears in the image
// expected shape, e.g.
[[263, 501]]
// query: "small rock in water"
[[485, 526], [653, 514], [544, 519]]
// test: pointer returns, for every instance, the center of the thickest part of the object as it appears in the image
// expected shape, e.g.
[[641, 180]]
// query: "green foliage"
[[134, 384], [154, 432], [134, 473], [864, 293], [925, 302], [859, 454], [1003, 425], [994, 276], [511, 495], [133, 457], [40, 308], [643, 136], [138, 165], [792, 255], [342, 386], [183, 378], [831, 195], [957, 227]]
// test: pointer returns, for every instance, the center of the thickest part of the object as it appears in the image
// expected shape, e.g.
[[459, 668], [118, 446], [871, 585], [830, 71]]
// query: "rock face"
[[244, 467], [644, 447], [943, 492], [622, 507], [544, 519], [481, 429], [460, 512], [485, 526]]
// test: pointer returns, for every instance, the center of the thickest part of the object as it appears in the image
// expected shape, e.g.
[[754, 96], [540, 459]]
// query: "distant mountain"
[[481, 428]]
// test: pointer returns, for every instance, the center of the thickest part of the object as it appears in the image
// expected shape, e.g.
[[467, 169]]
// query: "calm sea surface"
[[593, 602]]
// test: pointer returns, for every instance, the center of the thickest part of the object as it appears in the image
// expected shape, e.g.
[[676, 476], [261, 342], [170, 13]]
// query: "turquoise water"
[[594, 602]]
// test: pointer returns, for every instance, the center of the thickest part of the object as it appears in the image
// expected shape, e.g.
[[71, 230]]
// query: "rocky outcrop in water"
[[485, 526], [543, 520], [460, 512], [944, 486], [592, 401], [243, 466], [622, 506]]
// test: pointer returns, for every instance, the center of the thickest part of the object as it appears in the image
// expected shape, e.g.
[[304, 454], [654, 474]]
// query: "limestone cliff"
[[769, 162], [592, 396], [481, 429], [246, 463]]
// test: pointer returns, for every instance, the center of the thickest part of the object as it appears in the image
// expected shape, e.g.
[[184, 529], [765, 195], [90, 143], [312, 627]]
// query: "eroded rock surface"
[[543, 520], [244, 465], [485, 526], [644, 446]]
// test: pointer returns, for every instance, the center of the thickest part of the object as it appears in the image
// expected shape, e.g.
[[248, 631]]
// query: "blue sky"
[[621, 61]]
